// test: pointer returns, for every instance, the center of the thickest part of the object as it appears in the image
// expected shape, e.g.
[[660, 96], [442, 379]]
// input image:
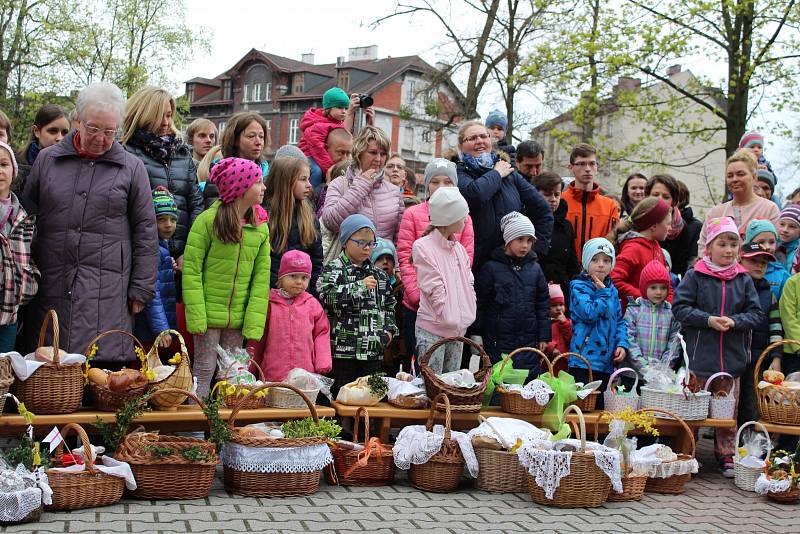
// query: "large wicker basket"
[[265, 484], [670, 485], [512, 401], [179, 380], [460, 399], [240, 390], [586, 486], [168, 476], [103, 398], [613, 401], [442, 472], [6, 379], [53, 388], [722, 405], [745, 477], [373, 466], [499, 471], [777, 404], [89, 488], [589, 403]]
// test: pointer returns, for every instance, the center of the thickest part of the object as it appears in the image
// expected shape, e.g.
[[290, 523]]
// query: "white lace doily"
[[510, 430], [765, 485], [670, 469], [535, 389], [276, 459], [14, 506], [415, 445]]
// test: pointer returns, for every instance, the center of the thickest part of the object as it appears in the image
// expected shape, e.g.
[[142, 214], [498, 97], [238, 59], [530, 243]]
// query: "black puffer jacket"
[[180, 177], [560, 265], [683, 249]]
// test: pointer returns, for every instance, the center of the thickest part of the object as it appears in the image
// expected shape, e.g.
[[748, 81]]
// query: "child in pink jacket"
[[317, 123], [297, 333], [447, 296]]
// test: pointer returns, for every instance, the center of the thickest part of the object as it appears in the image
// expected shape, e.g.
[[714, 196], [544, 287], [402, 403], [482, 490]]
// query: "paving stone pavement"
[[710, 504]]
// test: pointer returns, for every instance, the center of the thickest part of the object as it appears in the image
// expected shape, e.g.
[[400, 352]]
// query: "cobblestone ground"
[[710, 504]]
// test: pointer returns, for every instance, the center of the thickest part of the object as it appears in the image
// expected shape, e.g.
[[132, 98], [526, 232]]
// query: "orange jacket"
[[590, 213]]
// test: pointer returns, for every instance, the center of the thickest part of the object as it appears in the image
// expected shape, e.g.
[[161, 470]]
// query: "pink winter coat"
[[447, 303], [379, 201], [416, 220], [315, 127], [296, 335]]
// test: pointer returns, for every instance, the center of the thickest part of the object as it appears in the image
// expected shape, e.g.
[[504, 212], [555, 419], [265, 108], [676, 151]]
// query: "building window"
[[344, 80], [256, 96], [268, 92], [412, 89], [408, 135], [226, 90], [294, 131], [298, 83], [190, 92], [269, 126], [221, 127], [246, 93]]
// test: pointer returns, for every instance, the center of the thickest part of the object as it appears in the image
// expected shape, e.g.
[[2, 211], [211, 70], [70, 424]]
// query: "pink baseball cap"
[[295, 262], [233, 177]]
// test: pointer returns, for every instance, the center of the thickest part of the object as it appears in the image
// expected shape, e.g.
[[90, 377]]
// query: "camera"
[[365, 101]]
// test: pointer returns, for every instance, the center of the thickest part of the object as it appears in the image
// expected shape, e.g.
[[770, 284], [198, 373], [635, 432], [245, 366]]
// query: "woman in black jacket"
[[149, 133], [681, 241]]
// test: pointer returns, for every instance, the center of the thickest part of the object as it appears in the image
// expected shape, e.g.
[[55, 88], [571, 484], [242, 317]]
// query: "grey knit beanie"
[[440, 167]]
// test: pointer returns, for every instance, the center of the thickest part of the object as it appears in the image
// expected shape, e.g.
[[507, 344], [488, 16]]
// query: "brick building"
[[419, 115]]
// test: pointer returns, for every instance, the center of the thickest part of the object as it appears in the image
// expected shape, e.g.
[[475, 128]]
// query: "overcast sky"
[[328, 29]]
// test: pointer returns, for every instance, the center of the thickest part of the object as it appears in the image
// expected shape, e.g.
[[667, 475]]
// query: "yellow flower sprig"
[[87, 365], [634, 419], [225, 388], [23, 411], [175, 360]]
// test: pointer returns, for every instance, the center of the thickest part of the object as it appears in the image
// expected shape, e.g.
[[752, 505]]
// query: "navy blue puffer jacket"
[[159, 314]]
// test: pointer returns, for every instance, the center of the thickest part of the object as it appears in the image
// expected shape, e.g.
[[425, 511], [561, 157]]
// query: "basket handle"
[[567, 354], [88, 459], [50, 319], [770, 348], [619, 372], [499, 436], [677, 418], [154, 349], [242, 402], [581, 422], [542, 356], [762, 428], [432, 414], [720, 375], [362, 411], [153, 393], [486, 363], [101, 335]]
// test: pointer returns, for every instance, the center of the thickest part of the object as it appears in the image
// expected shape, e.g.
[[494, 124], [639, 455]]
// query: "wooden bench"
[[386, 414], [774, 428], [186, 417]]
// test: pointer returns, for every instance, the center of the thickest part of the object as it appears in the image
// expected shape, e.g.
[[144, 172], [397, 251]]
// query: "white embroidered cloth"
[[15, 505], [276, 459], [509, 430], [535, 389], [765, 485], [110, 466], [548, 464], [24, 367], [401, 388], [415, 445], [676, 467]]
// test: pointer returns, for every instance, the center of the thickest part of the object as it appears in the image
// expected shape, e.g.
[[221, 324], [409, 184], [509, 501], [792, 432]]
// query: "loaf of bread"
[[126, 379], [45, 354], [98, 376]]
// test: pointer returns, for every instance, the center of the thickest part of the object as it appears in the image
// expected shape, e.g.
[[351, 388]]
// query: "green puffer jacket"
[[226, 285]]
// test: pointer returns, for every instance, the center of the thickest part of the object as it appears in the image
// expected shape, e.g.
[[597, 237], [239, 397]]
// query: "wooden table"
[[774, 428], [387, 414], [185, 417]]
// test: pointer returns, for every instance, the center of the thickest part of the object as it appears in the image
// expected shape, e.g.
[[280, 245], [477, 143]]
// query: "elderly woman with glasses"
[[494, 188], [96, 242]]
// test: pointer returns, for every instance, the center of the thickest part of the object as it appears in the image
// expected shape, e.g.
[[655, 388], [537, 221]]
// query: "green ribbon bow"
[[565, 393], [500, 375]]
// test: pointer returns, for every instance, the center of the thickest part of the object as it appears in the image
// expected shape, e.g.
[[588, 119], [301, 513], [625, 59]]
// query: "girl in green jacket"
[[226, 267]]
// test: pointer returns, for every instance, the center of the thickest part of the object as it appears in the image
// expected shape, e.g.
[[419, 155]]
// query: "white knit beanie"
[[447, 206], [516, 225]]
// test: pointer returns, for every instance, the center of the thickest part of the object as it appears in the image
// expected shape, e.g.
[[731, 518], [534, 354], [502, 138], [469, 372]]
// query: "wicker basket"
[[242, 389], [586, 486], [512, 401], [721, 405], [53, 388], [777, 404], [674, 484], [790, 496], [373, 466], [442, 472], [278, 397], [258, 484], [614, 402], [179, 380], [172, 476], [589, 403], [6, 379], [745, 477], [632, 489], [31, 516], [103, 398], [89, 488], [499, 471], [688, 406], [460, 399]]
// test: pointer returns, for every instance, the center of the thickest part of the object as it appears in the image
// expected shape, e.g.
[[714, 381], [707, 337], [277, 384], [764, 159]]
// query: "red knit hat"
[[556, 294], [653, 273]]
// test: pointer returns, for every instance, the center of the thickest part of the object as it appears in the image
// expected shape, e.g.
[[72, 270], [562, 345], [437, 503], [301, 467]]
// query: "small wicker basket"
[[89, 488], [589, 403], [442, 472], [777, 404], [373, 466], [722, 405], [179, 380], [103, 398], [613, 401], [240, 390], [468, 400], [279, 397], [512, 401], [499, 471], [671, 485], [745, 477], [6, 379]]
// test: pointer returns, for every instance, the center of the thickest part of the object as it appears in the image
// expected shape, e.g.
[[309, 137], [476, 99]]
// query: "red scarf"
[[76, 142]]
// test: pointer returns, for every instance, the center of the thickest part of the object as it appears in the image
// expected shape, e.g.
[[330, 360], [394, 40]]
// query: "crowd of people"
[[334, 258]]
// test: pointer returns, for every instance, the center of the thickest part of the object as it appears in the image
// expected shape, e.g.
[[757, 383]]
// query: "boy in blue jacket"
[[159, 314], [599, 332], [763, 233]]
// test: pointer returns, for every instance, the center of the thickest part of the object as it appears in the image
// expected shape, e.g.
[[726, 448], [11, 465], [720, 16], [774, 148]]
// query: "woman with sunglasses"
[[493, 188]]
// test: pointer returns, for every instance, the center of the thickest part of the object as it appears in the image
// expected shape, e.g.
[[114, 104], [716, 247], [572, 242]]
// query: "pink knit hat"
[[720, 225], [233, 177], [556, 294], [295, 262]]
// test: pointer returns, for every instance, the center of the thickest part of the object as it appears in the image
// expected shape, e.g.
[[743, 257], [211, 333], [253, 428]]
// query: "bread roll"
[[119, 381], [98, 376], [45, 354]]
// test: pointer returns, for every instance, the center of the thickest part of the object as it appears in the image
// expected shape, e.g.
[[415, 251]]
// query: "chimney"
[[628, 84], [673, 70], [340, 61], [308, 58]]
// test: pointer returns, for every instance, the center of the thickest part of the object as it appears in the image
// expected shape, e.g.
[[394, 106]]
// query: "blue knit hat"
[[385, 247], [667, 258], [497, 118], [335, 98], [596, 246], [353, 224], [758, 226]]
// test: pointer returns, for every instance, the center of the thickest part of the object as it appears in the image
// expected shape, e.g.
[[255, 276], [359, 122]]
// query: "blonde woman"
[[149, 133]]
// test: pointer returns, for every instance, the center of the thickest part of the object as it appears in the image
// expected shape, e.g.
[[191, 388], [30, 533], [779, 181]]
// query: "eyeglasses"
[[94, 130], [364, 244], [473, 138]]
